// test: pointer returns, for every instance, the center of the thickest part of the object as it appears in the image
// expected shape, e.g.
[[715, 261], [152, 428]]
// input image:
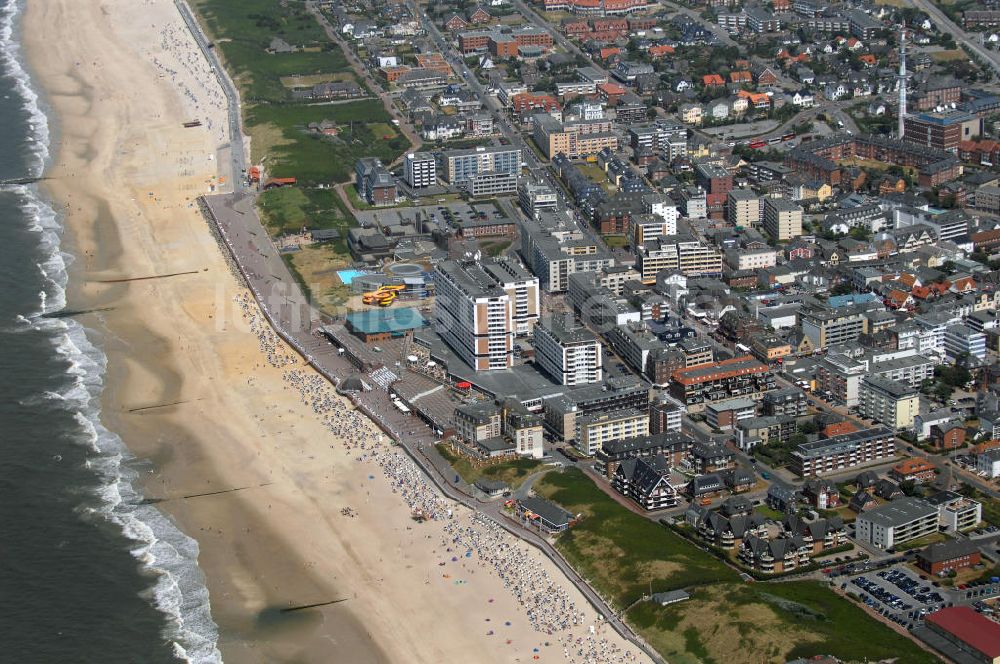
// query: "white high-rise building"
[[480, 306], [567, 351], [420, 170]]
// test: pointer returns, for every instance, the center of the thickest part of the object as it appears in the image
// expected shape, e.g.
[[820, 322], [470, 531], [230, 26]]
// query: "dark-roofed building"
[[706, 486], [374, 325], [674, 446], [711, 457], [727, 532], [646, 481], [950, 555], [774, 556], [544, 514], [492, 488], [862, 501]]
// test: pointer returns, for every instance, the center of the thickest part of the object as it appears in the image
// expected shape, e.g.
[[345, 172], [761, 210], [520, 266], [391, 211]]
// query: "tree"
[[908, 487], [843, 288], [953, 376], [943, 391], [809, 427], [861, 233]]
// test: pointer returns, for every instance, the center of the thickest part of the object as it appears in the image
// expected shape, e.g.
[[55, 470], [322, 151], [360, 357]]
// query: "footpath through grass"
[[621, 552], [726, 621], [243, 31], [513, 471]]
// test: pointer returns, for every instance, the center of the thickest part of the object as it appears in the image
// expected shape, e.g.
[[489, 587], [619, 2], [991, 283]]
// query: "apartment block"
[[828, 326], [896, 522], [463, 165], [593, 430], [537, 198], [420, 170], [575, 139], [481, 306], [739, 376], [843, 452], [567, 351], [782, 219], [888, 402], [743, 208]]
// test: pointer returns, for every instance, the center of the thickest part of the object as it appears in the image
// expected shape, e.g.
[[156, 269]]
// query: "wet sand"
[[122, 81]]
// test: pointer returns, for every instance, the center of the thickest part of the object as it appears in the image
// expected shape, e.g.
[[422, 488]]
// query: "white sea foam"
[[164, 553]]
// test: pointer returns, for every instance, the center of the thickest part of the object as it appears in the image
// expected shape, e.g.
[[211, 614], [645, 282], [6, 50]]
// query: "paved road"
[[714, 28], [365, 73], [238, 155], [294, 319], [971, 40]]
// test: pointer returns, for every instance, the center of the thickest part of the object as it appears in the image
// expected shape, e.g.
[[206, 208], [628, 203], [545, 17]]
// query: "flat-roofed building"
[[942, 130], [782, 219], [537, 198], [567, 351], [956, 513], [825, 326], [726, 414], [743, 208], [739, 376], [962, 340], [896, 522], [481, 306], [595, 429], [841, 452], [579, 138], [888, 402], [420, 170], [462, 166], [666, 415]]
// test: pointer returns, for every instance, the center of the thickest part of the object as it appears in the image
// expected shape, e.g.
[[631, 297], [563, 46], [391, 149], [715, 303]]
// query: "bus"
[[756, 145], [789, 136]]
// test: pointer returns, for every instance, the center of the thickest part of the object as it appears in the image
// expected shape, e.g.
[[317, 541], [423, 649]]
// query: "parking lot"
[[899, 595]]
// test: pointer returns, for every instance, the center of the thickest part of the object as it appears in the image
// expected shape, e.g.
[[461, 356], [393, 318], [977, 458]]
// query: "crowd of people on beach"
[[548, 606], [197, 82]]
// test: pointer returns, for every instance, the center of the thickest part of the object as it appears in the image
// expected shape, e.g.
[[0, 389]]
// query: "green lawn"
[[293, 151], [770, 513], [513, 471], [726, 621], [244, 30], [621, 552], [289, 209], [495, 247]]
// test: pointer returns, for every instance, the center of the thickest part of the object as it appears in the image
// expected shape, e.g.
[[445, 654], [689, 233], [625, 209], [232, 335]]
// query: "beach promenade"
[[292, 317]]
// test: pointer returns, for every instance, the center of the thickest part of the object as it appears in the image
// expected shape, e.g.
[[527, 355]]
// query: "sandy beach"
[[192, 387]]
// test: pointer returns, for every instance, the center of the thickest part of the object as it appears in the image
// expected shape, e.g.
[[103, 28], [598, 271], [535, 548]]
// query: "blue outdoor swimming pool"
[[347, 276]]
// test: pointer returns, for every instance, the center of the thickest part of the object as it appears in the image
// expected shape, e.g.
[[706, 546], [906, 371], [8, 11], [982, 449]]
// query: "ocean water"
[[87, 572]]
